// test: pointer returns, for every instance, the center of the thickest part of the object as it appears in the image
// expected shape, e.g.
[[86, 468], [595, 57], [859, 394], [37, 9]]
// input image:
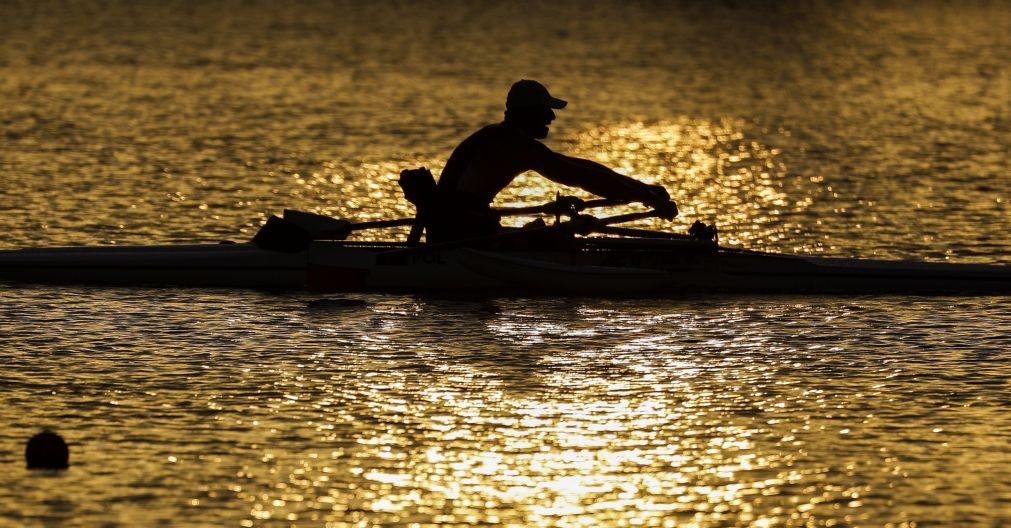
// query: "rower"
[[488, 160]]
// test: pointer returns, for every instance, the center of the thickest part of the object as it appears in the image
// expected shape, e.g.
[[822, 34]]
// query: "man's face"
[[536, 121]]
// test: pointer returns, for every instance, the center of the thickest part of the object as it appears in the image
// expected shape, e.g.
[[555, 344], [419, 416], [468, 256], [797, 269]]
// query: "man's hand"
[[659, 199]]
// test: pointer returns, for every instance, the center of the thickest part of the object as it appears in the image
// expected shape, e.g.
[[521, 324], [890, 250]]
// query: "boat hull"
[[199, 265], [601, 267]]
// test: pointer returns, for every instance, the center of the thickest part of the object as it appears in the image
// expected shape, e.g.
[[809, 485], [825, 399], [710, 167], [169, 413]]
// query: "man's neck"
[[518, 127]]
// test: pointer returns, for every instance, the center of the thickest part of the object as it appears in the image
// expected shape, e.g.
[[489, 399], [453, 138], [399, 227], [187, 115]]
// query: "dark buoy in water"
[[47, 450], [335, 304]]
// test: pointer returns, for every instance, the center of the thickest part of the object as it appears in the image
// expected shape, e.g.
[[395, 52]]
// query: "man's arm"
[[597, 179]]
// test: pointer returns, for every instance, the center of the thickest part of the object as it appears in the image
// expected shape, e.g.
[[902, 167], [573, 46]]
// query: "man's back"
[[487, 161]]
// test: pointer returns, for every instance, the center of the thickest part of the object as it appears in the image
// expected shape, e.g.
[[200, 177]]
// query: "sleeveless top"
[[480, 167]]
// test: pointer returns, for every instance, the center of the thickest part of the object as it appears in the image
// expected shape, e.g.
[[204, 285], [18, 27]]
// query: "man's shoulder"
[[497, 131], [508, 136]]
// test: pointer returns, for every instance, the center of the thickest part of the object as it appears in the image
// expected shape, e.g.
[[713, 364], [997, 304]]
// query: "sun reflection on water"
[[585, 452], [593, 413], [712, 169]]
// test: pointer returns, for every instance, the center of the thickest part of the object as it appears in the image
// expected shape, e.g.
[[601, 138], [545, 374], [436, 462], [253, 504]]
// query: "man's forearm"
[[601, 180]]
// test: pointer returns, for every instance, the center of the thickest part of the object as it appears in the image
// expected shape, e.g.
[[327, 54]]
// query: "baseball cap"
[[526, 93]]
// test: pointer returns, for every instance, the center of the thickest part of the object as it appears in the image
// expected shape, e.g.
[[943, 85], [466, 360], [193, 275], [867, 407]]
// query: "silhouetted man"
[[488, 160]]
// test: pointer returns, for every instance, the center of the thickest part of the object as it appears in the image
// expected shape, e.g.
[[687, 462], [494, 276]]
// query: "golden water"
[[837, 129]]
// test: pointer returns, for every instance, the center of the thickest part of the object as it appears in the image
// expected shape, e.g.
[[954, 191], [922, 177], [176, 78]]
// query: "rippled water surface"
[[840, 129]]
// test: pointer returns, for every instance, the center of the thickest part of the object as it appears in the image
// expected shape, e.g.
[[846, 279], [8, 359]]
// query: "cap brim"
[[557, 103]]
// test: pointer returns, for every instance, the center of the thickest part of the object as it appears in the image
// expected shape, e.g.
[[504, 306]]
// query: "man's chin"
[[542, 133]]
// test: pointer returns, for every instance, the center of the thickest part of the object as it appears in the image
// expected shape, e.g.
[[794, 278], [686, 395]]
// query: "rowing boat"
[[310, 251], [594, 265]]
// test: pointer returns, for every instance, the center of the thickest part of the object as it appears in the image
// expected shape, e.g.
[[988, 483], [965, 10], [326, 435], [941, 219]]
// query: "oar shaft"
[[378, 224], [630, 217], [640, 233], [510, 211], [574, 225], [553, 207], [474, 241]]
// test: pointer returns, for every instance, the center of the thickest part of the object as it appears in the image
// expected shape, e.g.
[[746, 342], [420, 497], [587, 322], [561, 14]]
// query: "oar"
[[641, 233], [321, 227], [298, 228], [562, 205], [582, 224]]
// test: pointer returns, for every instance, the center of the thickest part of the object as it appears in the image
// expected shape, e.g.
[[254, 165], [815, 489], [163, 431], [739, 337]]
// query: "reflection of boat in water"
[[594, 265]]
